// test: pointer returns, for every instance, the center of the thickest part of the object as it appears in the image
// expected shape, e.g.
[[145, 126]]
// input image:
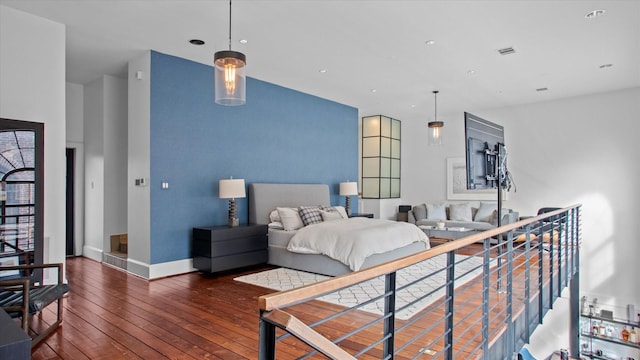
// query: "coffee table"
[[447, 233]]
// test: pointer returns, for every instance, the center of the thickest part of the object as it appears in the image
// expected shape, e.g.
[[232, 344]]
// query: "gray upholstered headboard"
[[263, 198]]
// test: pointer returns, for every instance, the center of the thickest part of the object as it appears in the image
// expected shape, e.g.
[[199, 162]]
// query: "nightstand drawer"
[[227, 247], [221, 263]]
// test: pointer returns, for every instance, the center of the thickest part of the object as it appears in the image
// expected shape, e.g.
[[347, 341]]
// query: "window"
[[380, 157]]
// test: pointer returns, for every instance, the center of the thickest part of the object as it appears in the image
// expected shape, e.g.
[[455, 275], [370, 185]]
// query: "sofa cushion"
[[485, 212], [420, 212], [474, 225], [436, 211], [460, 212]]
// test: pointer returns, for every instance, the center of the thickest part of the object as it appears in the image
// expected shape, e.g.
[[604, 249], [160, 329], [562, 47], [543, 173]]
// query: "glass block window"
[[380, 157]]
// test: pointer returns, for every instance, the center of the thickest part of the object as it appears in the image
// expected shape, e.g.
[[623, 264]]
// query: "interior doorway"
[[70, 201]]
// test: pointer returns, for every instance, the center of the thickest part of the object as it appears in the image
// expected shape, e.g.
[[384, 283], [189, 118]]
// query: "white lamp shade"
[[232, 188], [348, 188]]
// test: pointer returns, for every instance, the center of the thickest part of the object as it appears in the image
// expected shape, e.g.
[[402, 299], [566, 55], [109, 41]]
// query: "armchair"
[[22, 299]]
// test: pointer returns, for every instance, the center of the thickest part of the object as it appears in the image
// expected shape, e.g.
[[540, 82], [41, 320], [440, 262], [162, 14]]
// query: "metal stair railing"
[[489, 316]]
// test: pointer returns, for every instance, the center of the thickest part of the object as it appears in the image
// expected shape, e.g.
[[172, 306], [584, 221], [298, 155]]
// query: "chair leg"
[[53, 327]]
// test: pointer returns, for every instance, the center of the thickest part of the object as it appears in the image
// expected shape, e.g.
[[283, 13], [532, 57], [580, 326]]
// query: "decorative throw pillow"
[[328, 215], [310, 214], [460, 212], [485, 212], [436, 212], [290, 218], [420, 212]]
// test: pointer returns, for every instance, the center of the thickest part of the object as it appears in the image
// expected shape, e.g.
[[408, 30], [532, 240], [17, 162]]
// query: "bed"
[[264, 198]]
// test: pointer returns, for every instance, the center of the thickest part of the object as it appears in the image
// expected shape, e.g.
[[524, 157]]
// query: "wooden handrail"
[[273, 301], [303, 332]]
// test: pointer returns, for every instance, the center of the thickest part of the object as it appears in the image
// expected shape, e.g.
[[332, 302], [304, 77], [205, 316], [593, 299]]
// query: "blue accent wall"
[[280, 135]]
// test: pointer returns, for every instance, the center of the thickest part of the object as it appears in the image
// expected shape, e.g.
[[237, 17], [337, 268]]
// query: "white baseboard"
[[156, 271], [92, 253]]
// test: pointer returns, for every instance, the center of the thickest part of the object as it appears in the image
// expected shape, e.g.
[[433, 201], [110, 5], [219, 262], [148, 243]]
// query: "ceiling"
[[374, 52]]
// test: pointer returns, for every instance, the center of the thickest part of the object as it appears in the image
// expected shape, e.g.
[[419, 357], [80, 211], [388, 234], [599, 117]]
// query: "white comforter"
[[351, 241]]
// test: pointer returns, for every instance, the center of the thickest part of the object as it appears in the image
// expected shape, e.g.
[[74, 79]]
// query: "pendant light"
[[229, 75], [435, 126]]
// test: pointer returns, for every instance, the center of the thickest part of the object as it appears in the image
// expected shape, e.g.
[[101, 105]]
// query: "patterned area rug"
[[285, 279]]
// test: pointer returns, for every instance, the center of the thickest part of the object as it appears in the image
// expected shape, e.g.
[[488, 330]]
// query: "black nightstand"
[[220, 248], [365, 215]]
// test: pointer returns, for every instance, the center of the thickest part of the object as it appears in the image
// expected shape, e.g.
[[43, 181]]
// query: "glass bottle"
[[610, 331], [624, 334], [602, 330], [633, 335]]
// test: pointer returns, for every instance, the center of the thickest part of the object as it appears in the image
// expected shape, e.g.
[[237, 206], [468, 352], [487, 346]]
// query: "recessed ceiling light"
[[471, 72], [323, 71], [594, 14], [243, 41], [604, 66], [196, 42], [373, 90], [413, 106], [542, 89], [430, 42]]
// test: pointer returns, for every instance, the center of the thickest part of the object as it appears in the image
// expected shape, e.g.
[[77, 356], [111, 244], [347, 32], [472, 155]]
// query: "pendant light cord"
[[435, 105], [230, 25]]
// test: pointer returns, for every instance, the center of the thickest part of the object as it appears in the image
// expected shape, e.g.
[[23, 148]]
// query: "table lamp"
[[348, 189], [232, 189]]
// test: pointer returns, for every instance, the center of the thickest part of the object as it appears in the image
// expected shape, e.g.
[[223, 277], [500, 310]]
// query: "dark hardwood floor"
[[110, 314]]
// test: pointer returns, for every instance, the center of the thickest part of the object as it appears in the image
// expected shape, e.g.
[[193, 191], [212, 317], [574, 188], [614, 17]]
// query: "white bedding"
[[351, 241]]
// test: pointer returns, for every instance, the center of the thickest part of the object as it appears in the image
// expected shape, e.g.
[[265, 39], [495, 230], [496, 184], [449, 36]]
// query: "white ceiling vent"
[[506, 51]]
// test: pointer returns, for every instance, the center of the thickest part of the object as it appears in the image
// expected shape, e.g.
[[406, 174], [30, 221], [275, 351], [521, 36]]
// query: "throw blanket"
[[351, 241]]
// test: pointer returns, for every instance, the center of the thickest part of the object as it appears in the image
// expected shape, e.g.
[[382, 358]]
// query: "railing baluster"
[[527, 281], [540, 274], [510, 326], [486, 273], [451, 260], [551, 272], [267, 340], [560, 268], [389, 309]]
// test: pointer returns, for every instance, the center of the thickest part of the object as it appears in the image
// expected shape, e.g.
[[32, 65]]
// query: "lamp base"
[[348, 205], [233, 220]]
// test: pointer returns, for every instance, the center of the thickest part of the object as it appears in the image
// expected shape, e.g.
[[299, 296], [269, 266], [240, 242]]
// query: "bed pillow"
[[274, 216], [485, 212], [290, 218], [310, 214], [328, 215], [339, 209], [420, 212], [460, 212], [436, 212]]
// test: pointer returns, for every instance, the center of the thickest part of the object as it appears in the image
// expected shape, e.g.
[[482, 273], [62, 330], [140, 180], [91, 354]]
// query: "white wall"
[[94, 170], [105, 136], [139, 199], [33, 89], [583, 150], [75, 140], [578, 150], [115, 158]]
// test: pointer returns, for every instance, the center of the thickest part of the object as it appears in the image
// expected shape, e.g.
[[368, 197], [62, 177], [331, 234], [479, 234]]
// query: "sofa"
[[463, 215]]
